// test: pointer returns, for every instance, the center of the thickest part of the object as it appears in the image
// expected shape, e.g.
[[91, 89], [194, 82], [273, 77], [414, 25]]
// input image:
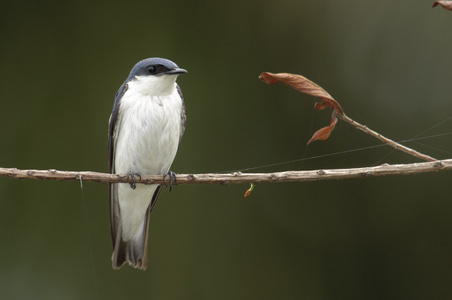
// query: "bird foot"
[[172, 178], [132, 175]]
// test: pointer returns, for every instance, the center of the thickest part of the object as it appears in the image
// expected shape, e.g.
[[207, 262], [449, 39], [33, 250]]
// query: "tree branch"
[[304, 85], [385, 139], [236, 177]]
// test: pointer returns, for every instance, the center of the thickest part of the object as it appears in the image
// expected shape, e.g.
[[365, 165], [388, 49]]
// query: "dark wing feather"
[[112, 124], [183, 116], [114, 205]]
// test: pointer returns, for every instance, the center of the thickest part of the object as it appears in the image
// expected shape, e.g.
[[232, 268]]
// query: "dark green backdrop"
[[387, 62]]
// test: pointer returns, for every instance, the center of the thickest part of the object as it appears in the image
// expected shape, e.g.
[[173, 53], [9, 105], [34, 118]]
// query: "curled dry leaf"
[[323, 133], [445, 4], [304, 85]]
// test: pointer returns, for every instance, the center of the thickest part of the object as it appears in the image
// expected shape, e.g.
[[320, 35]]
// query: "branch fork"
[[304, 85]]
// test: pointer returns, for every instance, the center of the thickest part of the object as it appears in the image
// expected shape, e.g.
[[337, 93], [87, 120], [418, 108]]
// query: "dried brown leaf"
[[320, 106], [445, 4], [323, 133], [304, 85]]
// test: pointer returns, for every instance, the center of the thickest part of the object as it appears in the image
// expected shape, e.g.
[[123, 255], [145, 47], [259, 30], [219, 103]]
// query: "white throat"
[[154, 85]]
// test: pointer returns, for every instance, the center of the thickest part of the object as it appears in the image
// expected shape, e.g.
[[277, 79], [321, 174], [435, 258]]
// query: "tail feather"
[[133, 251]]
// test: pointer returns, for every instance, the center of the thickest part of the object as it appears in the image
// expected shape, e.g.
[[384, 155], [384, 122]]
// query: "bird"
[[145, 129]]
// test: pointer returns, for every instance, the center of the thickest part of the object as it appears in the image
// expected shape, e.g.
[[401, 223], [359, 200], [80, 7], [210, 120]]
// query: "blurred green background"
[[388, 64]]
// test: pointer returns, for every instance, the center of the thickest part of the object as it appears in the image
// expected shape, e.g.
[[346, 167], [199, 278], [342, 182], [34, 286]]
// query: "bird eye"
[[152, 70]]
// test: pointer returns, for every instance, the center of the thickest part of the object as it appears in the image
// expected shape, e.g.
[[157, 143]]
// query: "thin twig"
[[385, 139], [306, 86], [236, 177]]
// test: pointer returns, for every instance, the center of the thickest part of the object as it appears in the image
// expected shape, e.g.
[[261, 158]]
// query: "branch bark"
[[385, 139], [235, 177]]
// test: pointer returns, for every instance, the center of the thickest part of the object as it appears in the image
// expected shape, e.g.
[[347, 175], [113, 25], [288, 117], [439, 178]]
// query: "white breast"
[[147, 137], [148, 130]]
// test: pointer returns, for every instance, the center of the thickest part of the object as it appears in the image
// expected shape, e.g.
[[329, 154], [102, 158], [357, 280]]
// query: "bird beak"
[[176, 71]]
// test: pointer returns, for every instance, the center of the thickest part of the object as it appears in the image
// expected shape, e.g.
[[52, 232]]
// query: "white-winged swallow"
[[145, 128]]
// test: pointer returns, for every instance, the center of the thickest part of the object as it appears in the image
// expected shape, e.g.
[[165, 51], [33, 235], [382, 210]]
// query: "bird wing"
[[183, 116], [112, 134], [112, 126]]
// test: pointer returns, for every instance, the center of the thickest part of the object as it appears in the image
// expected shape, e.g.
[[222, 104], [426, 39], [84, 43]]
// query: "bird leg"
[[133, 185], [172, 178]]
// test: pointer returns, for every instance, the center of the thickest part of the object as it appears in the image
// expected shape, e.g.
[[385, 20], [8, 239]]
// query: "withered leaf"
[[323, 133], [445, 4], [304, 85], [308, 87], [320, 106]]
